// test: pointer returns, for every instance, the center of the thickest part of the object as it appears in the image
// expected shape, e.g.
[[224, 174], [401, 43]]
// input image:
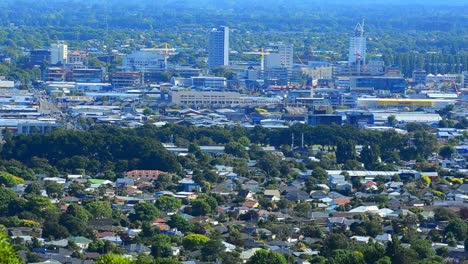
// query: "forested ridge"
[[105, 148]]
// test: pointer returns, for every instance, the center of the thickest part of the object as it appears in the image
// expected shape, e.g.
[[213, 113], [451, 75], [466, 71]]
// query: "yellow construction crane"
[[262, 54]]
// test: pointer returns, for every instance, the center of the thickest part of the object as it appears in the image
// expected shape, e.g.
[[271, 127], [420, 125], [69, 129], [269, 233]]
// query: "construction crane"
[[262, 54], [299, 59], [163, 49], [455, 88]]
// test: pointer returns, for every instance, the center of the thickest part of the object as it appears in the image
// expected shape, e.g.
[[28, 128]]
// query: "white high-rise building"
[[464, 79], [58, 53], [357, 46], [218, 50], [280, 56]]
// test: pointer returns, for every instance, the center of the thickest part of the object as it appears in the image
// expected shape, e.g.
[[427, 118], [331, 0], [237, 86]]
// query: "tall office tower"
[[357, 46], [218, 51], [464, 80], [58, 53], [280, 56]]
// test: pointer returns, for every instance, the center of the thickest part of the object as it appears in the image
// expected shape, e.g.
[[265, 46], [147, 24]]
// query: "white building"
[[357, 46], [204, 98], [143, 61], [58, 53], [218, 50], [464, 80], [280, 56]]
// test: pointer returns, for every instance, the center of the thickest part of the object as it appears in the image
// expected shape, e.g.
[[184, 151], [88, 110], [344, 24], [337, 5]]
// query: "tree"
[[267, 257], [423, 247], [161, 246], [6, 196], [392, 121], [334, 241], [447, 151], [443, 214], [99, 209], [7, 252], [370, 155], [342, 256], [168, 204], [113, 259], [232, 257], [223, 72], [194, 241], [200, 207], [236, 149], [9, 180], [144, 212], [345, 150], [54, 189], [212, 250], [459, 228], [425, 143], [177, 221], [77, 211]]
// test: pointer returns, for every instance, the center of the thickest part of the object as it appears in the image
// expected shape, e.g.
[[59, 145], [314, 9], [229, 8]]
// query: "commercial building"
[[204, 98], [218, 50], [407, 103], [279, 63], [77, 58], [88, 75], [125, 79], [324, 119], [419, 76], [209, 81], [143, 61], [391, 84], [357, 46], [58, 53], [39, 56], [464, 80], [408, 117], [280, 56], [29, 126]]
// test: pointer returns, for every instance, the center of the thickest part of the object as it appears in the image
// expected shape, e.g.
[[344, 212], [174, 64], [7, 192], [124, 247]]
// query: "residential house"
[[246, 194], [251, 186], [272, 195], [298, 195], [188, 185], [150, 175], [81, 242]]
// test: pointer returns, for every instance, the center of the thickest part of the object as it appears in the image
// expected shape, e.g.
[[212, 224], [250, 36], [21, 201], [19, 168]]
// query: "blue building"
[[324, 119], [392, 84]]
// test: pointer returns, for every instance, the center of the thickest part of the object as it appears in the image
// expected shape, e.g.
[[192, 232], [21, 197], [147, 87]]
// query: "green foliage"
[[345, 150], [7, 252], [267, 257], [341, 256], [443, 214], [177, 221], [144, 212], [212, 250], [93, 150], [458, 227], [6, 197], [168, 204], [113, 259], [9, 180], [447, 151], [236, 149], [99, 209], [194, 241], [161, 246]]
